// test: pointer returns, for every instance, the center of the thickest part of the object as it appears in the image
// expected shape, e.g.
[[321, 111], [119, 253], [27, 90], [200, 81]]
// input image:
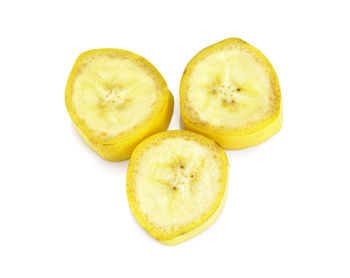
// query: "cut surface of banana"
[[116, 99], [177, 184], [230, 92]]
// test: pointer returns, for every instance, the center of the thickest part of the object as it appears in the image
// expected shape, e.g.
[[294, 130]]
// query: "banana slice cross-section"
[[177, 184], [230, 92], [116, 99]]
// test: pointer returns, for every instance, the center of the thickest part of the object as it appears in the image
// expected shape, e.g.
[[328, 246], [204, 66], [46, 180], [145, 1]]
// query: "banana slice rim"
[[84, 58], [201, 223], [227, 44]]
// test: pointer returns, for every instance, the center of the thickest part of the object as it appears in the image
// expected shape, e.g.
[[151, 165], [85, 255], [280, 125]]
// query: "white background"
[[64, 211]]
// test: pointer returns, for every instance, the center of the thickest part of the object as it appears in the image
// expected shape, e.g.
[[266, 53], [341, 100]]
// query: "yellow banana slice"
[[116, 99], [230, 93], [177, 184]]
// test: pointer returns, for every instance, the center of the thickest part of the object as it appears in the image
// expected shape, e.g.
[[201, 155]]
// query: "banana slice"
[[177, 184], [230, 93], [116, 99]]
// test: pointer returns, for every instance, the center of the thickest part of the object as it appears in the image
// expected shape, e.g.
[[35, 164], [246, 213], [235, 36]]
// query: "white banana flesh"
[[231, 89], [178, 180], [113, 94]]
